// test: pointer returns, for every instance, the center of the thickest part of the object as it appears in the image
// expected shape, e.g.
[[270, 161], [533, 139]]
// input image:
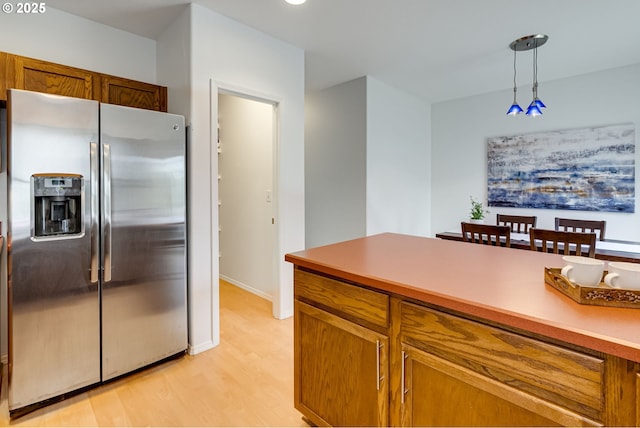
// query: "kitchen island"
[[406, 331]]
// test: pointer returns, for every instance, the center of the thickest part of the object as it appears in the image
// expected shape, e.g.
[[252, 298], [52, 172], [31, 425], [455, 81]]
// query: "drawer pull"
[[378, 377], [402, 375]]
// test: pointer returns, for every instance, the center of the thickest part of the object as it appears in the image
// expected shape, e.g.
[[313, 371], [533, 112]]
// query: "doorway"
[[246, 197]]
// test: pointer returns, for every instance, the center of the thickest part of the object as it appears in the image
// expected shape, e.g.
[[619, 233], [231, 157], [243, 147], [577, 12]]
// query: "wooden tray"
[[601, 295]]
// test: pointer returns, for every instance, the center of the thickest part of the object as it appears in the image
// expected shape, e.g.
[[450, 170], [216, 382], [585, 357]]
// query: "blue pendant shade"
[[533, 110], [536, 101], [539, 103], [514, 109]]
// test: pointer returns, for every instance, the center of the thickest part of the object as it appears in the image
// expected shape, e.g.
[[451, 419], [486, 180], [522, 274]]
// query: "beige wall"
[[246, 197]]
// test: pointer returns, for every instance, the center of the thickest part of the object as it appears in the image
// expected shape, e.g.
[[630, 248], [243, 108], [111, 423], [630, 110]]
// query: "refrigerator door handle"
[[95, 266], [106, 211]]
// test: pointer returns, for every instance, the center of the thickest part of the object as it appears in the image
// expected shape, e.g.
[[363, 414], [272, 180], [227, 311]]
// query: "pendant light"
[[524, 44], [536, 103], [515, 107]]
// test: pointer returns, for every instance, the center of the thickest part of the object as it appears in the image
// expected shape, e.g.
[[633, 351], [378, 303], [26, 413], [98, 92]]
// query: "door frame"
[[218, 87]]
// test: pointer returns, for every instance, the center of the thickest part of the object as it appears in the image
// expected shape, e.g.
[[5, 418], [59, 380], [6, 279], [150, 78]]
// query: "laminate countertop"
[[501, 285]]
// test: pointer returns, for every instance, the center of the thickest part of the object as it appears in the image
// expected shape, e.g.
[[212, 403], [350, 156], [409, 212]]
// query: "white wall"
[[245, 175], [63, 38], [335, 163], [229, 54], [460, 129], [173, 62], [175, 65], [200, 50], [398, 161], [367, 162]]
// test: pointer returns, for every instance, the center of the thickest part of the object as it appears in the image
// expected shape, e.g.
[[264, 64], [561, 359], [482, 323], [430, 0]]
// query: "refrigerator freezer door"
[[144, 316], [54, 307]]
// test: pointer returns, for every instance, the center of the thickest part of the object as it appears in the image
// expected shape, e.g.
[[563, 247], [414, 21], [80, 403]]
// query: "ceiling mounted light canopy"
[[295, 2], [524, 44]]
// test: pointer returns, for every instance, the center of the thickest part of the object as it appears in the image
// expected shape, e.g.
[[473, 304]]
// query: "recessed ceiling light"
[[296, 2]]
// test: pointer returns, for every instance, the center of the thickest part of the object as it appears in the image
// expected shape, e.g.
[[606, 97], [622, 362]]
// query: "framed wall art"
[[587, 169]]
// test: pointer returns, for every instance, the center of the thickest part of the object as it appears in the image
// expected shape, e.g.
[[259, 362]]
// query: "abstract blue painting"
[[587, 169]]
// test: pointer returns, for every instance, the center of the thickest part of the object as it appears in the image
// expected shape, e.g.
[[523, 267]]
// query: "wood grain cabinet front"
[[350, 301], [462, 372], [341, 370], [131, 93], [459, 371], [638, 399], [341, 353], [42, 76], [369, 358], [440, 393]]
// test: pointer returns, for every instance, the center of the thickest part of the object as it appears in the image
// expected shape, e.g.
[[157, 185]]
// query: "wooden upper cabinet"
[[42, 76], [6, 75], [125, 92]]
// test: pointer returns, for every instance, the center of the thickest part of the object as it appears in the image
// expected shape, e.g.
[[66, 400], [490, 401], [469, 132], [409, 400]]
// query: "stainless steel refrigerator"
[[96, 243]]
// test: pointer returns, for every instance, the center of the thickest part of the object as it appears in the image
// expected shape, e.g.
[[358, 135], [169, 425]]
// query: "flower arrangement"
[[477, 210]]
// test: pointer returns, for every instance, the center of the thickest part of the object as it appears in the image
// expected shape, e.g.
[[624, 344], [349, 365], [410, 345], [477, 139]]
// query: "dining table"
[[608, 249]]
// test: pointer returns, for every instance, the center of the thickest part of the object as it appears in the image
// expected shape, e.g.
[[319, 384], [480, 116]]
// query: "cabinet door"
[[638, 399], [537, 371], [341, 370], [42, 76], [131, 93], [6, 75], [437, 392]]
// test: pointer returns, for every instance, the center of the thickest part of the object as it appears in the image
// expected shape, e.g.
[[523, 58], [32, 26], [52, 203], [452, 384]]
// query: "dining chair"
[[563, 242], [487, 234], [584, 226], [517, 223]]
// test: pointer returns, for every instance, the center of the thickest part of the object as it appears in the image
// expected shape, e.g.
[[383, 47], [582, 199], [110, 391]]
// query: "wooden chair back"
[[486, 234], [584, 226], [562, 242], [517, 223]]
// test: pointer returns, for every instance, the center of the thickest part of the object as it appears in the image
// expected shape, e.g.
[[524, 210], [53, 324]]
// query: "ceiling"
[[435, 49]]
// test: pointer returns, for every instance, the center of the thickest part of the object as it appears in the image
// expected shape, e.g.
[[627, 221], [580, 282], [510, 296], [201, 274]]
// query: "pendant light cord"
[[514, 76], [535, 70]]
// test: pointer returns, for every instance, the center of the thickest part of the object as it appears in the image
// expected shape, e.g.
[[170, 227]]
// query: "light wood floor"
[[245, 381]]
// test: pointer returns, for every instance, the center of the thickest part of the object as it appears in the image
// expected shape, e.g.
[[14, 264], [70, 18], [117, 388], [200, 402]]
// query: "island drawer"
[[349, 300], [571, 379]]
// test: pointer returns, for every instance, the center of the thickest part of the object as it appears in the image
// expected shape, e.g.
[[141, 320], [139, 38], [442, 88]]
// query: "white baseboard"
[[201, 347], [248, 288]]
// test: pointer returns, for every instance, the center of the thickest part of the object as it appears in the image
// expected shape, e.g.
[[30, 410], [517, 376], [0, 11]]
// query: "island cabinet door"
[[341, 370], [638, 399], [439, 393], [461, 372]]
